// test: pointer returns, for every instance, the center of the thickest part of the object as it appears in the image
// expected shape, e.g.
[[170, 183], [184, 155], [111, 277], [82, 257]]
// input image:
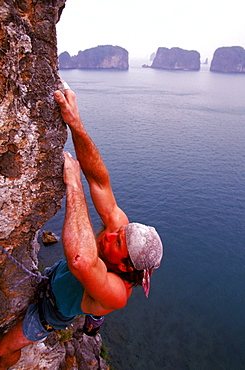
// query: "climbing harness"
[[37, 275], [92, 323]]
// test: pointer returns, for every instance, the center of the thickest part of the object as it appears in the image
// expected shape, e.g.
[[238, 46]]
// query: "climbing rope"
[[38, 275]]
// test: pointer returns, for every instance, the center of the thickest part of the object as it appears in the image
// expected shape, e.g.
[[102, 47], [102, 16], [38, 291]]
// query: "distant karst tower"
[[100, 57], [176, 59], [228, 60]]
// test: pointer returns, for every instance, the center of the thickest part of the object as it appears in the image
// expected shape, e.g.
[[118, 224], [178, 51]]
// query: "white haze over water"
[[142, 26]]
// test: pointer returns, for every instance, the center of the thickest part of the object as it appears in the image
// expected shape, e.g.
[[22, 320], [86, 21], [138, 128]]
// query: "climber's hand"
[[72, 171], [68, 107]]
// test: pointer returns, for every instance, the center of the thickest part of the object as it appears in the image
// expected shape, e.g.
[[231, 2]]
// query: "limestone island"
[[176, 59], [228, 60], [100, 57]]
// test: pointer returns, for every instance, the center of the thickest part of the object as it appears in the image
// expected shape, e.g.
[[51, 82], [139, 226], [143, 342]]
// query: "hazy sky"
[[141, 26]]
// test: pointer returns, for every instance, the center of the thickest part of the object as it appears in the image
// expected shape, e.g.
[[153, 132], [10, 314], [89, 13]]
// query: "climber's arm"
[[104, 291], [91, 163]]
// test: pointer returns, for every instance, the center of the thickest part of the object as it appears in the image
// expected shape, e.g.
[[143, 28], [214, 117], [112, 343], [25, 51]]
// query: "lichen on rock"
[[81, 352], [32, 137]]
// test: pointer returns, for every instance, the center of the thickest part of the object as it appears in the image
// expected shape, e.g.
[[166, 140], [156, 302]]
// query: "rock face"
[[56, 353], [177, 59], [100, 57], [32, 136], [228, 60]]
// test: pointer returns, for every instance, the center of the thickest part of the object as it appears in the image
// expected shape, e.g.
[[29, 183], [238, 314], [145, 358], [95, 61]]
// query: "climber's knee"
[[8, 358], [13, 340]]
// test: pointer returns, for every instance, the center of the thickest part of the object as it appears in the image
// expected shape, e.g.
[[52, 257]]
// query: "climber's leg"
[[10, 346]]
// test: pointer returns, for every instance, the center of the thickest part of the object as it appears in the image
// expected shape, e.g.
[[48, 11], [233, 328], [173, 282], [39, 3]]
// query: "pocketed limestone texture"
[[80, 352], [32, 137]]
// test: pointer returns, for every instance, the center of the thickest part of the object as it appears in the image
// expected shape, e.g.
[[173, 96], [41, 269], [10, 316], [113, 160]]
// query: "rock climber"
[[98, 273]]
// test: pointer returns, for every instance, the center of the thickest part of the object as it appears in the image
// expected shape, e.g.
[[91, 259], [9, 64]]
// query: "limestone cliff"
[[228, 60], [100, 57], [176, 59], [73, 350], [32, 136]]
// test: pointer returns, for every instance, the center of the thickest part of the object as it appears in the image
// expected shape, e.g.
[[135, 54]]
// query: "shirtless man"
[[98, 273]]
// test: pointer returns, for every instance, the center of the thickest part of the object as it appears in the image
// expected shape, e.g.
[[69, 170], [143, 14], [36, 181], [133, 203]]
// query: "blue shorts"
[[32, 327]]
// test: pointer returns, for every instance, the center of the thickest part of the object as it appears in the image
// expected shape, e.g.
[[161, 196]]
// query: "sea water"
[[174, 146]]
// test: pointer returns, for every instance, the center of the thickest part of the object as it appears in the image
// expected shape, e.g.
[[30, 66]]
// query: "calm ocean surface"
[[174, 145]]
